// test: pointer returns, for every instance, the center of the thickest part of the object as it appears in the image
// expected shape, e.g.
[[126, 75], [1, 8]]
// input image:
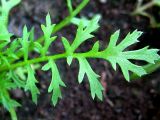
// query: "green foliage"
[[76, 20], [47, 35], [83, 33], [18, 68], [25, 43], [69, 4], [6, 6], [117, 54], [31, 84], [17, 81], [95, 85], [5, 85], [142, 9], [56, 81], [156, 2]]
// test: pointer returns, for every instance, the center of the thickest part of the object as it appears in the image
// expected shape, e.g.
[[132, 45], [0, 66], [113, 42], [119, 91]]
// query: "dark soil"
[[137, 100]]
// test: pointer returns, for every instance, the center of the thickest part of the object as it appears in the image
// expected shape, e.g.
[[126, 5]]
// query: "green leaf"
[[56, 81], [6, 6], [6, 82], [69, 60], [20, 72], [5, 37], [38, 47], [95, 48], [4, 34], [85, 21], [31, 37], [31, 84], [5, 85], [149, 68], [156, 2], [9, 103], [9, 4], [18, 82], [25, 42], [85, 32], [117, 54], [95, 85], [68, 50], [76, 21], [66, 44], [12, 49], [69, 4], [47, 30], [5, 61]]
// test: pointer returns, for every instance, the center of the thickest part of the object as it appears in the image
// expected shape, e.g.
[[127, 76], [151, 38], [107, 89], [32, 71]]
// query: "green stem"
[[46, 58], [13, 114]]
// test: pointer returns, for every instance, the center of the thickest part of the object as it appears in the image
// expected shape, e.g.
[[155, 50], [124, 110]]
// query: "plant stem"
[[13, 114], [46, 58]]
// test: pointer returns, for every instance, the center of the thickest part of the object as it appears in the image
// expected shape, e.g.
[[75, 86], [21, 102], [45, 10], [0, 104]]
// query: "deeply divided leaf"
[[5, 85], [25, 42], [117, 54], [95, 85], [56, 81], [31, 84], [48, 39], [85, 32]]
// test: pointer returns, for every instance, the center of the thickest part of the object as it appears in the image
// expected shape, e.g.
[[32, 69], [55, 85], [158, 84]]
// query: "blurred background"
[[137, 100]]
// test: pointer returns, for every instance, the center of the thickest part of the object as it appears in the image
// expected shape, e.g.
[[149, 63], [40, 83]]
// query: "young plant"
[[141, 9], [17, 68]]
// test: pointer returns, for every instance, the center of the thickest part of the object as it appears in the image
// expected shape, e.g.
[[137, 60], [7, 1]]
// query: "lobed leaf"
[[6, 6], [56, 81], [12, 49], [47, 30], [5, 85], [116, 54], [25, 42], [4, 34], [9, 4], [85, 32], [31, 84], [95, 85], [17, 81], [85, 21]]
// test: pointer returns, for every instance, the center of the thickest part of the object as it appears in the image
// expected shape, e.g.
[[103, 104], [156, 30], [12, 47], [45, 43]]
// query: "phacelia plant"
[[14, 56]]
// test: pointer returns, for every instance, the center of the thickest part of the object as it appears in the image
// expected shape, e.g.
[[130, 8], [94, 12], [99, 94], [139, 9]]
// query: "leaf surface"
[[95, 85], [56, 81]]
